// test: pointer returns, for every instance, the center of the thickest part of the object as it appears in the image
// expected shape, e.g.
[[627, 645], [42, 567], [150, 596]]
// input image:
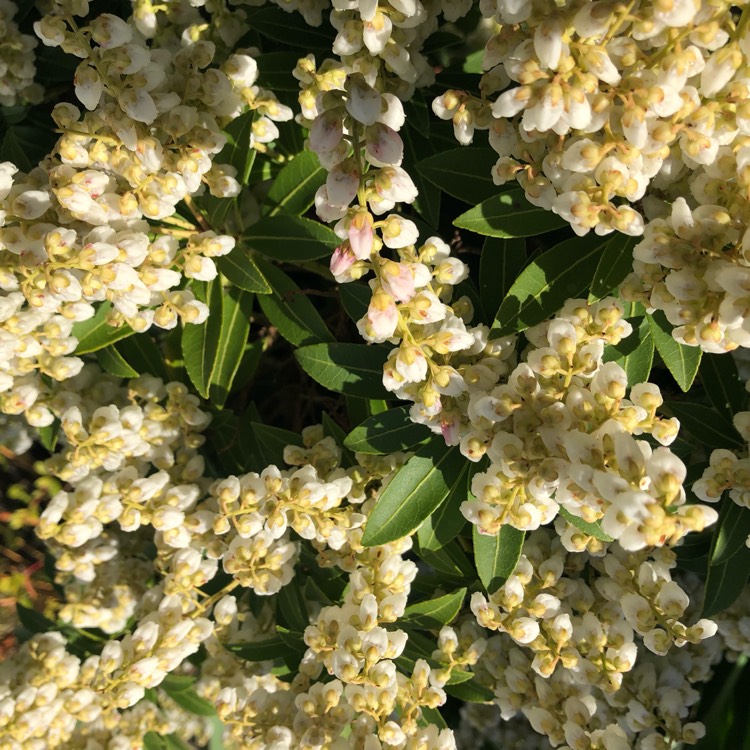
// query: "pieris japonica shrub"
[[372, 374]]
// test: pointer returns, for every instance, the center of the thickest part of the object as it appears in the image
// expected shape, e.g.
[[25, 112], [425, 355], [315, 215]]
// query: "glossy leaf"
[[417, 489], [462, 172], [725, 582], [237, 150], [265, 650], [291, 238], [448, 559], [49, 434], [707, 427], [387, 432], [722, 383], [731, 532], [289, 309], [200, 342], [235, 327], [240, 268], [293, 190], [509, 214], [189, 700], [352, 369], [96, 333], [496, 557], [561, 273], [435, 613], [587, 527], [682, 361], [355, 299], [446, 522], [142, 354], [113, 362], [267, 443], [615, 263], [635, 353], [501, 262]]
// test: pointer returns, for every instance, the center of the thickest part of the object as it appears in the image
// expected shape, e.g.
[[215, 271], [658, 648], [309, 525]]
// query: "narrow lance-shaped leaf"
[[615, 264], [446, 522], [590, 528], [352, 369], [706, 426], [501, 262], [731, 532], [635, 353], [682, 361], [240, 268], [496, 557], [235, 328], [387, 432], [96, 333], [462, 173], [509, 214], [561, 273], [416, 490], [722, 383], [200, 342], [291, 238], [293, 190], [436, 612]]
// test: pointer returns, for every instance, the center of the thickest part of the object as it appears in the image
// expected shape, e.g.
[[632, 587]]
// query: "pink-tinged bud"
[[398, 281], [361, 235], [381, 320], [451, 431], [342, 259]]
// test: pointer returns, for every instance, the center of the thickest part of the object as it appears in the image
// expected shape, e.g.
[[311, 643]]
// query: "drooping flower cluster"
[[17, 68], [606, 114]]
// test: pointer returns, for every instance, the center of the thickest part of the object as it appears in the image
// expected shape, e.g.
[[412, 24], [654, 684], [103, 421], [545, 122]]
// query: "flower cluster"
[[618, 112], [17, 68]]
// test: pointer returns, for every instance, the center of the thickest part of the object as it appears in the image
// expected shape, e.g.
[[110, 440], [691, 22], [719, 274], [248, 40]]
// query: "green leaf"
[[291, 238], [501, 262], [35, 622], [291, 605], [242, 271], [446, 522], [142, 354], [387, 432], [265, 650], [275, 71], [153, 741], [355, 299], [417, 489], [496, 557], [290, 310], [429, 198], [731, 532], [26, 145], [332, 429], [559, 274], [290, 29], [352, 369], [48, 435], [615, 264], [293, 190], [587, 527], [435, 613], [448, 559], [722, 383], [725, 582], [509, 214], [462, 172], [635, 354], [471, 692], [188, 699], [237, 150], [96, 333], [709, 428], [682, 361], [113, 362], [200, 343], [267, 443], [235, 327]]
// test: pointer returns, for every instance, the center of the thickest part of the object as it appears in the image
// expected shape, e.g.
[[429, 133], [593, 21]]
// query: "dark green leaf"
[[289, 309], [587, 527], [635, 353], [153, 741], [387, 432], [291, 238], [265, 650], [722, 383], [236, 309], [501, 262], [267, 443], [356, 299], [48, 435], [293, 190], [448, 560], [509, 214], [142, 354], [352, 369], [26, 145], [471, 692], [559, 274], [731, 532], [682, 361], [292, 607], [709, 428], [496, 556], [33, 621], [725, 582], [275, 71], [290, 29], [189, 700], [243, 272], [96, 333], [447, 521], [615, 264], [200, 342], [237, 150], [463, 173], [417, 489], [114, 363], [435, 613]]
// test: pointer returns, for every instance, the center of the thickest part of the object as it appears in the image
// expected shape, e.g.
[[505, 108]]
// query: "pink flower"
[[361, 235], [398, 280], [342, 260]]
